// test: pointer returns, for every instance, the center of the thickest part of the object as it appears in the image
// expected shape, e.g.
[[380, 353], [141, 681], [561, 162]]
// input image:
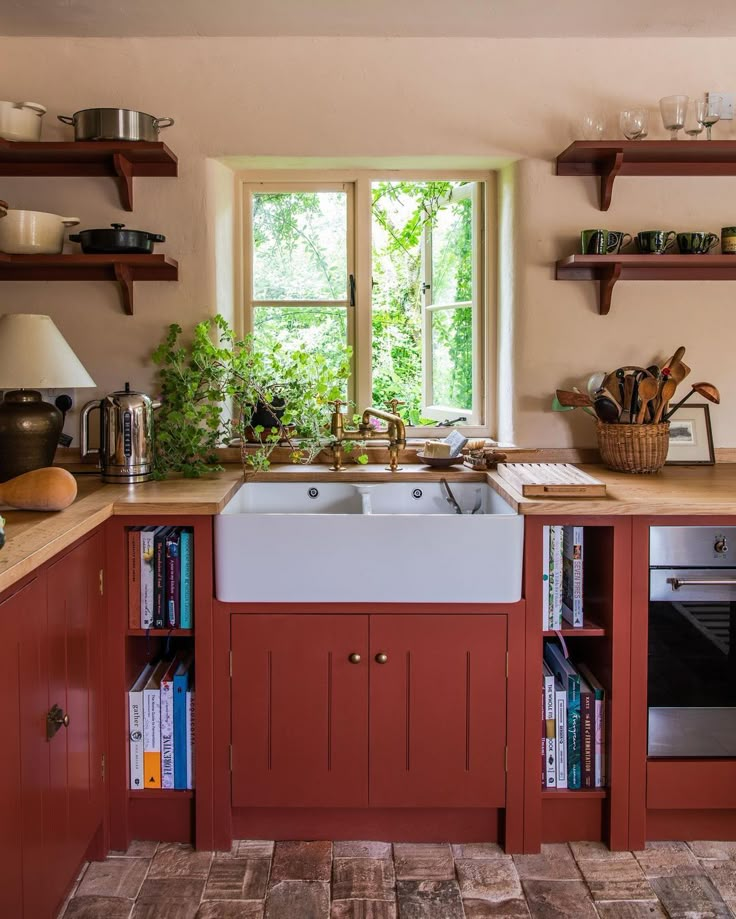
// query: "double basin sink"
[[388, 542]]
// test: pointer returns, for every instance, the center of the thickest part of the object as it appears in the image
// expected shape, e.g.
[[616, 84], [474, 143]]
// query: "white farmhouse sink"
[[390, 542]]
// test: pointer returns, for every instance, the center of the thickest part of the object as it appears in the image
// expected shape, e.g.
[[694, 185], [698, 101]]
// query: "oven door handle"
[[677, 583]]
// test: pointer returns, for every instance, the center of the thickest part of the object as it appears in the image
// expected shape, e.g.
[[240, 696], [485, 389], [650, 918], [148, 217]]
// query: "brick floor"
[[259, 879]]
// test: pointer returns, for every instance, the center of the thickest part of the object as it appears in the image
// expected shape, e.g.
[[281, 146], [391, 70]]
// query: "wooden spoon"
[[667, 392], [648, 390], [48, 489]]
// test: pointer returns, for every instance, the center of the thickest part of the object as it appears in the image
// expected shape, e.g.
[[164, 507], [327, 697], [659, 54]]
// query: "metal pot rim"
[[107, 109]]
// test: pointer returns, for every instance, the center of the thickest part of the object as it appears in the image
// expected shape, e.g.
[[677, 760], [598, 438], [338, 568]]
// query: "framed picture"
[[691, 438]]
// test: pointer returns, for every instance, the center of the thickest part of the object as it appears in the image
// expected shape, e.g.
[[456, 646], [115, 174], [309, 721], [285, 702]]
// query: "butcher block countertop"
[[33, 538]]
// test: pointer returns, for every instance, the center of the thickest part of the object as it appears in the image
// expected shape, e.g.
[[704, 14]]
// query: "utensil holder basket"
[[637, 448]]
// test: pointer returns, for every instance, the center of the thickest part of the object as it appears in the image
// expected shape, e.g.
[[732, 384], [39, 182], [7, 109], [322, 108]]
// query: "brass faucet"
[[394, 432]]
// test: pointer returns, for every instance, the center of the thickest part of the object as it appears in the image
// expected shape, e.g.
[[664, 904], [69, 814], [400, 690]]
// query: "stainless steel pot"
[[33, 232], [21, 120], [114, 124]]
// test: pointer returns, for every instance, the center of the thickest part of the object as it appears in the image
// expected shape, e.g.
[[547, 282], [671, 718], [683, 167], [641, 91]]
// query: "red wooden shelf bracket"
[[124, 277], [610, 168], [124, 171], [608, 275]]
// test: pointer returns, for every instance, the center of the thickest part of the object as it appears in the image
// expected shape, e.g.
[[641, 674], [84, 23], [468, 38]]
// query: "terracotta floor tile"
[[172, 860], [363, 879], [253, 848], [665, 859], [302, 861], [233, 878], [176, 909], [425, 861], [590, 850], [361, 849], [616, 879], [723, 874], [553, 863], [706, 849], [363, 909], [231, 909], [98, 908], [429, 900], [501, 909], [488, 878], [139, 848], [115, 877], [687, 896], [302, 899], [558, 900], [160, 890], [477, 850], [637, 909]]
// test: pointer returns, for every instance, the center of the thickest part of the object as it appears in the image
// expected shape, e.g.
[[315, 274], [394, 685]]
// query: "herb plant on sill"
[[210, 391]]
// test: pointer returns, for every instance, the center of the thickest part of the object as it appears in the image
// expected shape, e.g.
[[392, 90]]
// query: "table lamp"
[[33, 355]]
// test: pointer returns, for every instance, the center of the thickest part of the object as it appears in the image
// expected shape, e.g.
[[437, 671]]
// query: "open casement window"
[[299, 276], [452, 310]]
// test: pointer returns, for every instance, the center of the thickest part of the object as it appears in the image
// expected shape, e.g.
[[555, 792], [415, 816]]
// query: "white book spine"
[[146, 579], [556, 564], [135, 729], [190, 739], [545, 579], [167, 734], [572, 608], [550, 742], [561, 735]]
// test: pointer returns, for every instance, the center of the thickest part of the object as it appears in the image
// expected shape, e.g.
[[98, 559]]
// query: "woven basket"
[[635, 448]]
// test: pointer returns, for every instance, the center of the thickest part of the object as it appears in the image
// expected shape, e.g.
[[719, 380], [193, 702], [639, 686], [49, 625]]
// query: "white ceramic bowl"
[[21, 120], [33, 232]]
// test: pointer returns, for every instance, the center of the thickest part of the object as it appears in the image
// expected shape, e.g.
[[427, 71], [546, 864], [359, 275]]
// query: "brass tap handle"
[[338, 404], [381, 658], [393, 405], [354, 658]]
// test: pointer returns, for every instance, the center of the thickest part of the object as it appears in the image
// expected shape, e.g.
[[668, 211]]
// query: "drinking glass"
[[693, 124], [592, 125], [673, 110], [634, 123], [709, 112]]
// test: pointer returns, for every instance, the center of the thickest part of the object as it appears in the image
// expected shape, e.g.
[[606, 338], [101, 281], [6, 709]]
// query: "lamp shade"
[[35, 355]]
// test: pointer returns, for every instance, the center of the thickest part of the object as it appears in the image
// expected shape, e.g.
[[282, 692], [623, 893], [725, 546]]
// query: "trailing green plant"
[[211, 390]]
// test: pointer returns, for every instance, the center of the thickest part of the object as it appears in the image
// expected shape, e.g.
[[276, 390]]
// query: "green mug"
[[602, 242], [655, 242], [697, 243]]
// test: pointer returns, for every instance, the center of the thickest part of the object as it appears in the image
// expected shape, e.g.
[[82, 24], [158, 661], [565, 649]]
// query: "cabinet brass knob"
[[354, 658], [381, 658], [55, 719]]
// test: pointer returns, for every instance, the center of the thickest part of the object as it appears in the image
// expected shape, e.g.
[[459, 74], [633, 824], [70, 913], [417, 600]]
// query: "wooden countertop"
[[33, 538]]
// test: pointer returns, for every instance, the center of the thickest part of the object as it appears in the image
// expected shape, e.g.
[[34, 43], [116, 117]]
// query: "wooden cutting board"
[[538, 480]]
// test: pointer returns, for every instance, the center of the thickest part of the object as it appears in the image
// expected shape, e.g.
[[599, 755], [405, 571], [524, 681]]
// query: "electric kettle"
[[126, 436]]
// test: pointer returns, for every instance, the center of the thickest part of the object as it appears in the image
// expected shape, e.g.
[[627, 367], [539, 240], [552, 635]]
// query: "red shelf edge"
[[152, 794], [558, 794]]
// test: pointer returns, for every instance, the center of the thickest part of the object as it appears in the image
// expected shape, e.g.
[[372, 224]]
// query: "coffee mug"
[[655, 242], [728, 240], [602, 242], [696, 243]]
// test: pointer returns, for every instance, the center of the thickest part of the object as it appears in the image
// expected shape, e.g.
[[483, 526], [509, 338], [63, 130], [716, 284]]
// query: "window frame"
[[359, 247]]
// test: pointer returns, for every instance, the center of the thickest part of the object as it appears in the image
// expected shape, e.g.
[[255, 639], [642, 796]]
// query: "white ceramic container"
[[21, 120], [33, 232]]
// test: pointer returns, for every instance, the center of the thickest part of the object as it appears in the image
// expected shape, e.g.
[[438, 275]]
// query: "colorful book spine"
[[570, 679], [561, 733], [599, 757], [186, 579], [152, 728], [546, 621], [572, 575], [134, 578], [172, 578], [135, 728], [556, 566], [181, 688], [146, 577], [549, 740], [159, 577], [167, 726], [191, 738], [587, 735]]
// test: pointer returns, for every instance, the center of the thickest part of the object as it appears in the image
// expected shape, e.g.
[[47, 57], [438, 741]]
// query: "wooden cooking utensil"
[[48, 489], [648, 390], [667, 392], [706, 390], [575, 399], [676, 357]]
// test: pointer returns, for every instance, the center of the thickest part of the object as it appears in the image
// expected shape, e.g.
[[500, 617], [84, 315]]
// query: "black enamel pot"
[[117, 241]]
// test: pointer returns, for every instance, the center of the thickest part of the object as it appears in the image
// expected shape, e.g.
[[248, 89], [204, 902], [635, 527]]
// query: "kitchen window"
[[393, 266]]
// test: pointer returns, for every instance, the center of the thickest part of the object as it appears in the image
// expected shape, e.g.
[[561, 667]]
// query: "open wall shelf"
[[611, 158], [608, 269], [120, 160]]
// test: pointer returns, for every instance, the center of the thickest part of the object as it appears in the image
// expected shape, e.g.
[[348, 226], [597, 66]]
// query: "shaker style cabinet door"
[[300, 710], [438, 711]]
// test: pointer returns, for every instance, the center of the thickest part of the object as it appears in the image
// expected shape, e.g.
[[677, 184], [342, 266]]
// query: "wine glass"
[[709, 112], [673, 110], [693, 124], [592, 125], [634, 123]]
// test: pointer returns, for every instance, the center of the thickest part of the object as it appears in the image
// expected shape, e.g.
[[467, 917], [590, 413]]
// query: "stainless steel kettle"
[[126, 436]]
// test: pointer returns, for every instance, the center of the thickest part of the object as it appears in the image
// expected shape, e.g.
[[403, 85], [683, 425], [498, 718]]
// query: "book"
[[152, 727], [167, 725], [190, 720], [172, 578], [572, 575], [549, 741], [185, 578], [146, 576], [561, 733], [555, 552], [159, 576], [181, 688], [135, 728], [570, 679], [545, 579], [599, 756], [587, 735], [134, 578]]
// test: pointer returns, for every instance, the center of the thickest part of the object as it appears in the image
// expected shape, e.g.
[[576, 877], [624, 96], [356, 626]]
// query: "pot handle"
[[84, 429], [66, 119], [75, 238], [3, 208], [71, 221], [34, 106], [156, 238], [162, 123]]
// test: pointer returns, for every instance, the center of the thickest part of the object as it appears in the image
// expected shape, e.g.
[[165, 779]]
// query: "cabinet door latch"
[[102, 582], [103, 767]]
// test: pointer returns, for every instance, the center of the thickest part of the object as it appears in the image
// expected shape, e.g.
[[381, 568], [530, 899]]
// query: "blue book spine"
[[181, 686], [185, 591]]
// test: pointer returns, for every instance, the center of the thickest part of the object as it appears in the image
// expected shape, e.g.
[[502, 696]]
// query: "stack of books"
[[573, 724], [161, 725], [562, 576], [160, 576]]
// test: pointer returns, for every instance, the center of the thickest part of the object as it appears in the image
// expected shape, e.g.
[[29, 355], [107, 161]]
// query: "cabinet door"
[[75, 801], [438, 711], [299, 711]]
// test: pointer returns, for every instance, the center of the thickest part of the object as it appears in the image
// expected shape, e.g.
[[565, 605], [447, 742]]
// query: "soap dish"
[[441, 461]]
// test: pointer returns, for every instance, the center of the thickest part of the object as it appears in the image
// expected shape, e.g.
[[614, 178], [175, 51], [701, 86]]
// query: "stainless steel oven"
[[692, 641]]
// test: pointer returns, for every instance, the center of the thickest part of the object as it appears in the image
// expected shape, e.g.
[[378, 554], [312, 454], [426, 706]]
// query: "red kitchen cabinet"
[[299, 711], [438, 711]]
